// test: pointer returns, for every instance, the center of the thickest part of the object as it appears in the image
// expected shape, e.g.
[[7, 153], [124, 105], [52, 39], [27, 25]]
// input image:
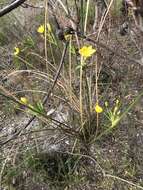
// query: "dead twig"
[[7, 9]]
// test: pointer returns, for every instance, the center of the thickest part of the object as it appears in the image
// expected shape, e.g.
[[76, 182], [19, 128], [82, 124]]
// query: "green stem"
[[109, 129]]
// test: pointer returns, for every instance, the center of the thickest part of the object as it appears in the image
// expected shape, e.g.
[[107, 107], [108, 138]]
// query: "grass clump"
[[69, 93]]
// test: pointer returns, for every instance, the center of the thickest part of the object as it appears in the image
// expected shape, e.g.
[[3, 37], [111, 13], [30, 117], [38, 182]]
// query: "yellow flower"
[[98, 108], [24, 100], [41, 29], [16, 51], [49, 27], [87, 51]]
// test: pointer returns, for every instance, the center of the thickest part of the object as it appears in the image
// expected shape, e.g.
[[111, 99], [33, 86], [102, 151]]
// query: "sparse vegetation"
[[71, 96]]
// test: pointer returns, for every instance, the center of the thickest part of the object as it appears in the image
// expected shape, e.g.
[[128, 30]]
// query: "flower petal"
[[24, 100], [41, 29], [87, 51], [16, 51], [98, 109]]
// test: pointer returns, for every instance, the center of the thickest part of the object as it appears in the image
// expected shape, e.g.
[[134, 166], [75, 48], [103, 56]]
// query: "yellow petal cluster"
[[98, 109], [16, 51], [41, 29], [87, 51], [24, 100]]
